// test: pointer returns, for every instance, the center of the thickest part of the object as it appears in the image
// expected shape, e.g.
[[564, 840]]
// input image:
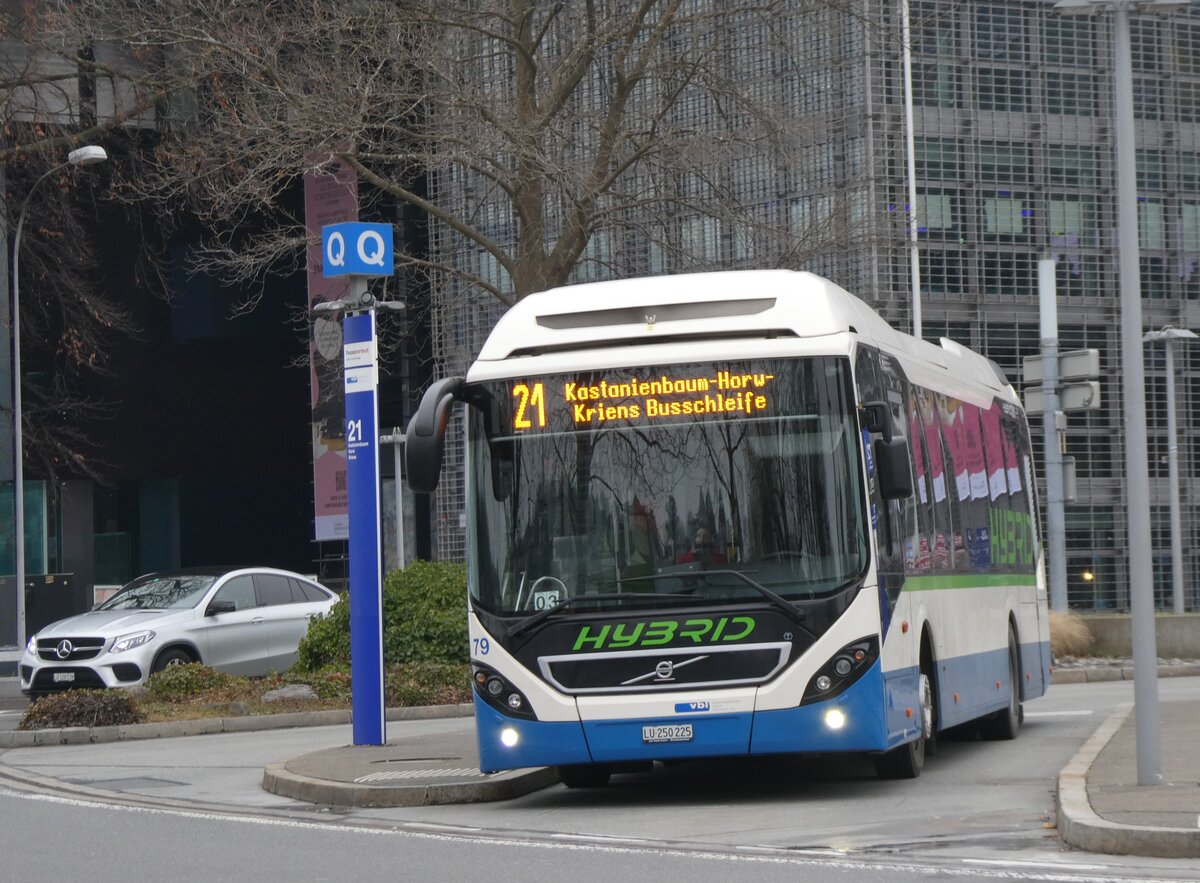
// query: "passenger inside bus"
[[704, 549]]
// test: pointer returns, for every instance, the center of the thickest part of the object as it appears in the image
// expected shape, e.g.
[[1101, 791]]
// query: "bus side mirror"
[[891, 454], [877, 419], [893, 468], [425, 440]]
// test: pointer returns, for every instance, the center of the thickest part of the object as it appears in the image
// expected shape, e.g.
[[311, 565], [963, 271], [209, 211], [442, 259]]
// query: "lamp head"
[[88, 155], [1168, 333], [329, 306]]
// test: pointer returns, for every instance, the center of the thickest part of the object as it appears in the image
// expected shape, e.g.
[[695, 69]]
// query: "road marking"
[[1084, 713], [11, 711], [1012, 863], [920, 870]]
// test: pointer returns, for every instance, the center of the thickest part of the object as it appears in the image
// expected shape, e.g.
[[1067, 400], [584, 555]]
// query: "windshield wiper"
[[794, 613], [542, 615]]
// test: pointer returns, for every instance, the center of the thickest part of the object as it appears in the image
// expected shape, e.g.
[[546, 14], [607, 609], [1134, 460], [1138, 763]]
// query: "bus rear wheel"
[[585, 775], [907, 761]]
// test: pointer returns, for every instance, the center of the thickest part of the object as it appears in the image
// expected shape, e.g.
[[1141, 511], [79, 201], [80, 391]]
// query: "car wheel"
[[172, 656]]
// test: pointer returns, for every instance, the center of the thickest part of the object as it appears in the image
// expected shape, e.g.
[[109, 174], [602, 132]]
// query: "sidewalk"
[[1101, 808], [412, 769]]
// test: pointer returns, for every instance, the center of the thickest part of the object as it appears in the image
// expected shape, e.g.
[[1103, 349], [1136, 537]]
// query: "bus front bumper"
[[855, 720]]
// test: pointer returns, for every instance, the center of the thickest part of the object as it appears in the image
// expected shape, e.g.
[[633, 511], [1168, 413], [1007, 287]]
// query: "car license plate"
[[64, 677], [667, 733]]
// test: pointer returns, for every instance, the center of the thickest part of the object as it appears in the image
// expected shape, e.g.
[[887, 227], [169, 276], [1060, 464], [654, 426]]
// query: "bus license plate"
[[64, 677], [667, 733]]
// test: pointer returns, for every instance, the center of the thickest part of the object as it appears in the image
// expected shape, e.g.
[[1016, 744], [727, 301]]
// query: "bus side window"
[[919, 532], [975, 506], [958, 489], [1021, 522]]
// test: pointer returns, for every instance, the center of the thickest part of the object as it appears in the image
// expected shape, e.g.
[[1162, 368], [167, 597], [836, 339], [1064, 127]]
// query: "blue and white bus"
[[737, 514]]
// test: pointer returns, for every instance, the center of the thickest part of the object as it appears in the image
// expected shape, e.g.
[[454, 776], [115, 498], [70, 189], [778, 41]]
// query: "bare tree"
[[520, 130], [539, 143], [68, 321]]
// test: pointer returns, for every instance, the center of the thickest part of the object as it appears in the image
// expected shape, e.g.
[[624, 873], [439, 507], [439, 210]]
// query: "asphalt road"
[[79, 840], [979, 811]]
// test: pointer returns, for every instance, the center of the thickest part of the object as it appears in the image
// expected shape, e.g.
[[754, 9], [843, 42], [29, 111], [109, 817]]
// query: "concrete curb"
[[1119, 673], [500, 786], [1079, 825], [203, 726]]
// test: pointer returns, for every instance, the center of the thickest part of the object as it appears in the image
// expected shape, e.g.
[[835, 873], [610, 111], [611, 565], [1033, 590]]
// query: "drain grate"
[[396, 775]]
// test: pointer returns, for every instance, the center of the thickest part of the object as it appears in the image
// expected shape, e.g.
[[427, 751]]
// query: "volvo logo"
[[664, 670], [64, 649]]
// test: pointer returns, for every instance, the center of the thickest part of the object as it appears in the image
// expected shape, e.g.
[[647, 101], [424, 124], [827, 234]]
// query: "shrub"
[[427, 683], [424, 620], [1069, 635], [82, 708], [179, 683], [327, 641], [425, 613]]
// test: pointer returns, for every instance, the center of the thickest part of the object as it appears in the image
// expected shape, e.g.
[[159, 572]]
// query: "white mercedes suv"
[[246, 621]]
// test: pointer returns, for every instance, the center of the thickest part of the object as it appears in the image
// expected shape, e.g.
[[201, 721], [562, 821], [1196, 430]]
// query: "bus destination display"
[[537, 404]]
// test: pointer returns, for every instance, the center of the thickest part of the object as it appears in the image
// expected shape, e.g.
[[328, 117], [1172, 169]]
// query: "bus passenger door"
[[887, 517]]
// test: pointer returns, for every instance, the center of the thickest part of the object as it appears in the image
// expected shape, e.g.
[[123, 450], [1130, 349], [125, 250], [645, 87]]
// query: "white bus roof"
[[740, 303]]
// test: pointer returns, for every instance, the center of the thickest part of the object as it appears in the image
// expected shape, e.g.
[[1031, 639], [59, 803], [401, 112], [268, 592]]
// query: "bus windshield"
[[672, 485]]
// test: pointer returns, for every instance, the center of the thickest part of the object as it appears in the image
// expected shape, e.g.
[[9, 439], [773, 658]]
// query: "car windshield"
[[693, 483], [161, 591]]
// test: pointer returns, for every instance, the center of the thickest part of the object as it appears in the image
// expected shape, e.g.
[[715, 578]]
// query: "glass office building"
[[1014, 156]]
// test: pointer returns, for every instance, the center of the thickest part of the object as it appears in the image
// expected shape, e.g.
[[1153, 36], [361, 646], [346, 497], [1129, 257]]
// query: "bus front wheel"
[[1003, 725], [907, 761], [585, 775]]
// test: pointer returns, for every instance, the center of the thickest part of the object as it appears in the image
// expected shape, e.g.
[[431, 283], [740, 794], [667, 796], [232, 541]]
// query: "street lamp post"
[[81, 156], [1133, 381], [1170, 336]]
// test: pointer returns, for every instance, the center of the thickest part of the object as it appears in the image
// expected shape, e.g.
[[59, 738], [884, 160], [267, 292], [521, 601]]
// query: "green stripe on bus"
[[968, 581]]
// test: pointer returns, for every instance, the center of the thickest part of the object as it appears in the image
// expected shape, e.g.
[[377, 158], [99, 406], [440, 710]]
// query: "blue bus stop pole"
[[362, 478]]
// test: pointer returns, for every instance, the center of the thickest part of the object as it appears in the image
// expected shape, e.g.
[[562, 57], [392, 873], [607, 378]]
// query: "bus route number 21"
[[531, 405]]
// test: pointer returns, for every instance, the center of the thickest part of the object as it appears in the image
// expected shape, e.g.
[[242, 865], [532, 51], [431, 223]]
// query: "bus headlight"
[[835, 719], [843, 668], [509, 737], [496, 690]]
